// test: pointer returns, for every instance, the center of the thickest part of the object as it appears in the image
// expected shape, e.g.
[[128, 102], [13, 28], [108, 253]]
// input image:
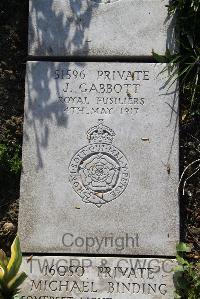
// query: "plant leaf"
[[15, 260], [17, 281], [3, 257], [177, 296], [182, 247], [182, 261], [3, 269], [159, 58], [179, 269]]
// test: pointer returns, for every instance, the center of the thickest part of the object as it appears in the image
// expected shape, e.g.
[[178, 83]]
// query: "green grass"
[[187, 275], [187, 57]]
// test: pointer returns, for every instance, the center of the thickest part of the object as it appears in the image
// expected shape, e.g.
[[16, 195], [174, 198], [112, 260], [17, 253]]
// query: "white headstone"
[[100, 160], [99, 28]]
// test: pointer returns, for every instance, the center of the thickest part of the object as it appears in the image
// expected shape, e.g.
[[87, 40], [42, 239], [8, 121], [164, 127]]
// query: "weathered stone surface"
[[97, 278], [100, 160], [99, 28]]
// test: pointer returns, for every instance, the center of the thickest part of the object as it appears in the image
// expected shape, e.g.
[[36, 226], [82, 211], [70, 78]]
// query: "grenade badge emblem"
[[99, 171]]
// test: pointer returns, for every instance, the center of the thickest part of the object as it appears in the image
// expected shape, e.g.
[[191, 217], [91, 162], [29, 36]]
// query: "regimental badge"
[[99, 171]]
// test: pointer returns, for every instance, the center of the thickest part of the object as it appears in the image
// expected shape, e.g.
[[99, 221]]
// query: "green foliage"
[[10, 158], [187, 275], [188, 57], [191, 6], [10, 278]]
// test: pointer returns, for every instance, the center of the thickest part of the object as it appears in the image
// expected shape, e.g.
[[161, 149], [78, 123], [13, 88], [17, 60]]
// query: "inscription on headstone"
[[97, 278], [99, 139]]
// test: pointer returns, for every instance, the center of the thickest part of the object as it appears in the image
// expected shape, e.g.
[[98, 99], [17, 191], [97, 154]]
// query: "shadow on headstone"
[[44, 12]]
